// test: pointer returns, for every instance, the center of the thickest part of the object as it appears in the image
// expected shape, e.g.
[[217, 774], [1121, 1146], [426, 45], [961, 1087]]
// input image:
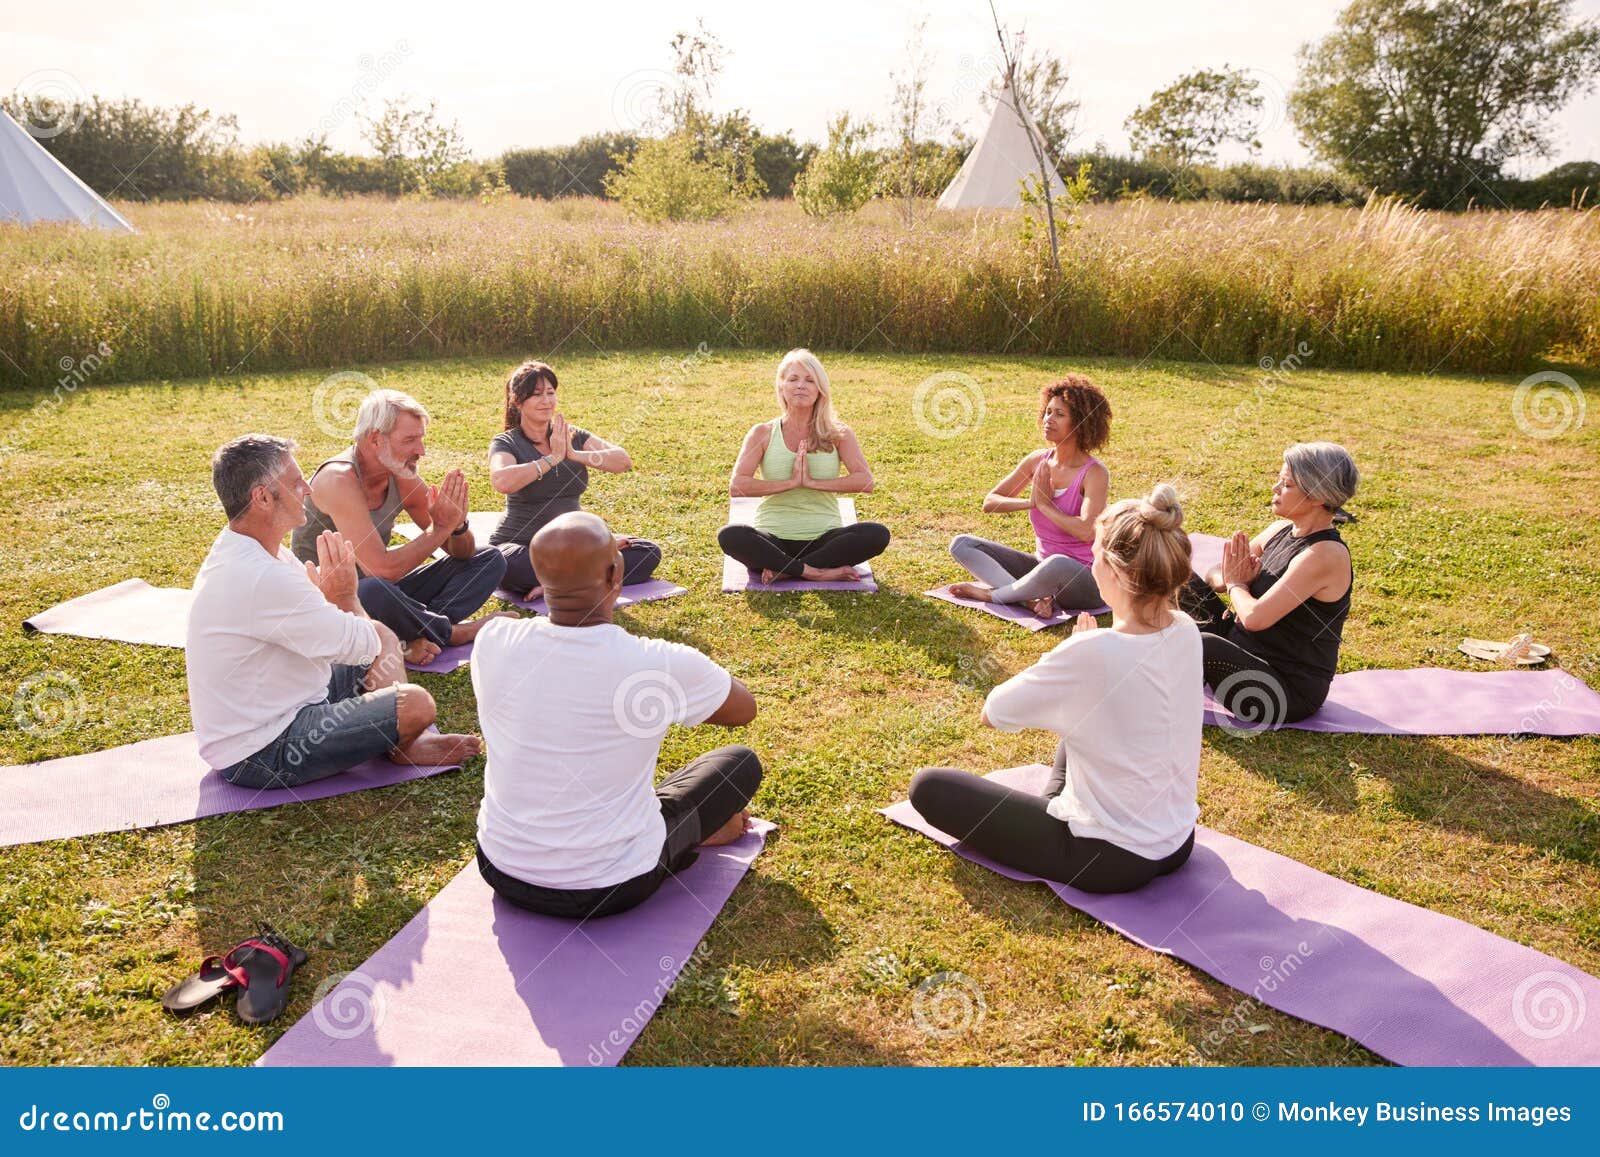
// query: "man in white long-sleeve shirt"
[[289, 680]]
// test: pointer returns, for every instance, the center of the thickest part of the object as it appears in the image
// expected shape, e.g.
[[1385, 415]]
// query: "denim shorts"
[[347, 728]]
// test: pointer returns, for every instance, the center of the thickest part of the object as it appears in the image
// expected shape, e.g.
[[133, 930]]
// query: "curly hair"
[[521, 382], [1087, 408]]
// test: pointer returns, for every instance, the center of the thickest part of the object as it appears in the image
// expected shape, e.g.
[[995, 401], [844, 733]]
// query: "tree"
[[842, 176], [1185, 122], [1042, 85], [913, 122], [419, 149], [1428, 99], [1008, 54], [666, 179]]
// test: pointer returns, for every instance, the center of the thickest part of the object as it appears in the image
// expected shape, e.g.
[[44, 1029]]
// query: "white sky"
[[530, 74]]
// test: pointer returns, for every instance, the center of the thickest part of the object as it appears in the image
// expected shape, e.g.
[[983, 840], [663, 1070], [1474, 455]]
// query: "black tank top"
[[1303, 646]]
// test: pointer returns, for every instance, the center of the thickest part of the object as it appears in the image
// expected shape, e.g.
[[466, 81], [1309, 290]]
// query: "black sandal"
[[268, 963]]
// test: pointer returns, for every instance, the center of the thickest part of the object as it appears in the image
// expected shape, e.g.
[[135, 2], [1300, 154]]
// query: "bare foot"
[[419, 652], [728, 832], [468, 631], [975, 591], [533, 593], [431, 749], [768, 577], [832, 574], [1045, 608]]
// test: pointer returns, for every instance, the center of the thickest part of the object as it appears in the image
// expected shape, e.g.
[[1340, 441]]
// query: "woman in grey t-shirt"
[[541, 464]]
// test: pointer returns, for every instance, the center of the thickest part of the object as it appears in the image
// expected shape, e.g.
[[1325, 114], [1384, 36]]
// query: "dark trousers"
[[696, 800], [639, 561], [1015, 828], [431, 599], [1255, 692], [842, 546]]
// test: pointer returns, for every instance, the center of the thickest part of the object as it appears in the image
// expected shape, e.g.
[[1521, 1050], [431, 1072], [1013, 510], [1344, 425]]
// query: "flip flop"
[[215, 977], [1522, 651], [268, 962]]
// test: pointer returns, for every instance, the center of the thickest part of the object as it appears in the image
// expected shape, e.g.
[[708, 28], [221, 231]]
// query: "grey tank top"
[[304, 539]]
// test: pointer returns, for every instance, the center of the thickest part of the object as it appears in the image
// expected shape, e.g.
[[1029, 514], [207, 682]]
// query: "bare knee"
[[415, 711]]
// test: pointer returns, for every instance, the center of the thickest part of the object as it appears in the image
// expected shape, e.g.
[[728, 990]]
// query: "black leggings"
[[639, 561], [696, 800], [1015, 828], [842, 546], [1250, 688]]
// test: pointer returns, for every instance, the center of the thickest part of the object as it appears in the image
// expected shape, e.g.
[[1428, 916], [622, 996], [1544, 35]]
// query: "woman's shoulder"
[[511, 440]]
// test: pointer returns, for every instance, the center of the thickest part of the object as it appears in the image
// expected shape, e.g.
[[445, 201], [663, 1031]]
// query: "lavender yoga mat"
[[472, 980], [1412, 985], [132, 611], [645, 592], [737, 577], [1436, 701], [151, 784]]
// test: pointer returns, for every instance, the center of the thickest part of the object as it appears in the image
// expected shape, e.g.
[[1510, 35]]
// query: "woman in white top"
[[1120, 807]]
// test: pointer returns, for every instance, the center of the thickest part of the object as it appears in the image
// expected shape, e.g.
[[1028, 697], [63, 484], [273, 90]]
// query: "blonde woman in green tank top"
[[805, 459]]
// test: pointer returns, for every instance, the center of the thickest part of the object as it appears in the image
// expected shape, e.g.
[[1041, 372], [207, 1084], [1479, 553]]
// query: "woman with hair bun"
[[1120, 806], [1271, 656]]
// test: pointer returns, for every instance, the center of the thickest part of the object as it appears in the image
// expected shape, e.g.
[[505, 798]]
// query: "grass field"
[[308, 283], [1468, 526]]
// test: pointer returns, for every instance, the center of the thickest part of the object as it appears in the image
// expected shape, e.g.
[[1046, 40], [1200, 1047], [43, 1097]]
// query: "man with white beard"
[[360, 492]]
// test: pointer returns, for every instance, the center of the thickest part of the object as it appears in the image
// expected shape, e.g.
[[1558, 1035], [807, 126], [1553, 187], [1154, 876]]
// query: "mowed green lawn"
[[1468, 526]]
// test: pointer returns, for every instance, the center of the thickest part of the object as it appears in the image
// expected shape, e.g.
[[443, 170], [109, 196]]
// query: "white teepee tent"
[[993, 172], [34, 186]]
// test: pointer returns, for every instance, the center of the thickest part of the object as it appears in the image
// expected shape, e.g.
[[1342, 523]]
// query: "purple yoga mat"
[[1412, 985], [1010, 612], [151, 784], [737, 577], [472, 980], [445, 661], [645, 592], [1436, 701], [132, 611]]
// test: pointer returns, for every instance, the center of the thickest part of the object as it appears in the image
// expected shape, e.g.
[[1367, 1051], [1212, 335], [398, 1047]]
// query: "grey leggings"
[[1021, 578]]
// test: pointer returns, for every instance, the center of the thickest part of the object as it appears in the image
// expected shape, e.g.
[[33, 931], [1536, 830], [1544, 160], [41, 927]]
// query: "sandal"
[[1521, 651], [215, 977], [268, 962]]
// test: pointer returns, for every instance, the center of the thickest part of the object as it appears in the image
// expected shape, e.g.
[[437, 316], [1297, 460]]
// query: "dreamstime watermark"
[[675, 372], [1274, 112], [52, 102], [47, 704], [632, 1024], [1251, 702], [641, 100], [1275, 974], [1548, 404], [1566, 685], [337, 400], [948, 1004], [647, 702], [374, 71], [948, 405], [74, 373], [348, 1004], [1275, 372], [1547, 1005]]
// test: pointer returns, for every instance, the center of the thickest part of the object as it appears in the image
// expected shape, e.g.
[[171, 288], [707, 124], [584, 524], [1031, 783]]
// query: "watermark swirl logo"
[[647, 702], [1548, 404], [1547, 1005], [50, 102], [47, 704], [1254, 701], [641, 99], [337, 400], [948, 404], [948, 1004], [1274, 111], [348, 1004]]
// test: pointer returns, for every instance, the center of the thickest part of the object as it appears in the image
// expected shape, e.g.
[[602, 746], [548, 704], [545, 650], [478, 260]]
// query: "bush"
[[667, 180], [841, 177], [578, 170]]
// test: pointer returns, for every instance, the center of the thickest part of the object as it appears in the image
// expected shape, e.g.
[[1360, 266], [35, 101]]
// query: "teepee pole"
[[1033, 138]]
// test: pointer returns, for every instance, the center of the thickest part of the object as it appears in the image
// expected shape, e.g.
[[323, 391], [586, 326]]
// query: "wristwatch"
[[462, 529]]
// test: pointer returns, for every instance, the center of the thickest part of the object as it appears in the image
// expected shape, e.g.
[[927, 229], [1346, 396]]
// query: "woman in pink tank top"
[[1063, 488]]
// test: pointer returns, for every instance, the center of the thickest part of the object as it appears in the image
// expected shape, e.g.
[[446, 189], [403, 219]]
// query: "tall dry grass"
[[204, 290]]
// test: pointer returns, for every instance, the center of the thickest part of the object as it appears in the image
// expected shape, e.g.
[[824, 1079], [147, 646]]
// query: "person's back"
[[573, 717]]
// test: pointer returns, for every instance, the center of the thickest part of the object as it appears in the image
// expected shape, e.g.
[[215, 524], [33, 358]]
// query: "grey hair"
[[382, 408], [241, 465], [1324, 470]]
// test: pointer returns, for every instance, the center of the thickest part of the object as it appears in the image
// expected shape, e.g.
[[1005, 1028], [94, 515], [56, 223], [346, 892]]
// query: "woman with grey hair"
[[1270, 656]]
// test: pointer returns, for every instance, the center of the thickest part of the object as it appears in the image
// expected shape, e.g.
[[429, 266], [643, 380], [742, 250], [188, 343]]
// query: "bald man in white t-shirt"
[[573, 710]]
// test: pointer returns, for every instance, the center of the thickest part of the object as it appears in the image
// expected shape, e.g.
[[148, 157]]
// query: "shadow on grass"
[[1429, 783]]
